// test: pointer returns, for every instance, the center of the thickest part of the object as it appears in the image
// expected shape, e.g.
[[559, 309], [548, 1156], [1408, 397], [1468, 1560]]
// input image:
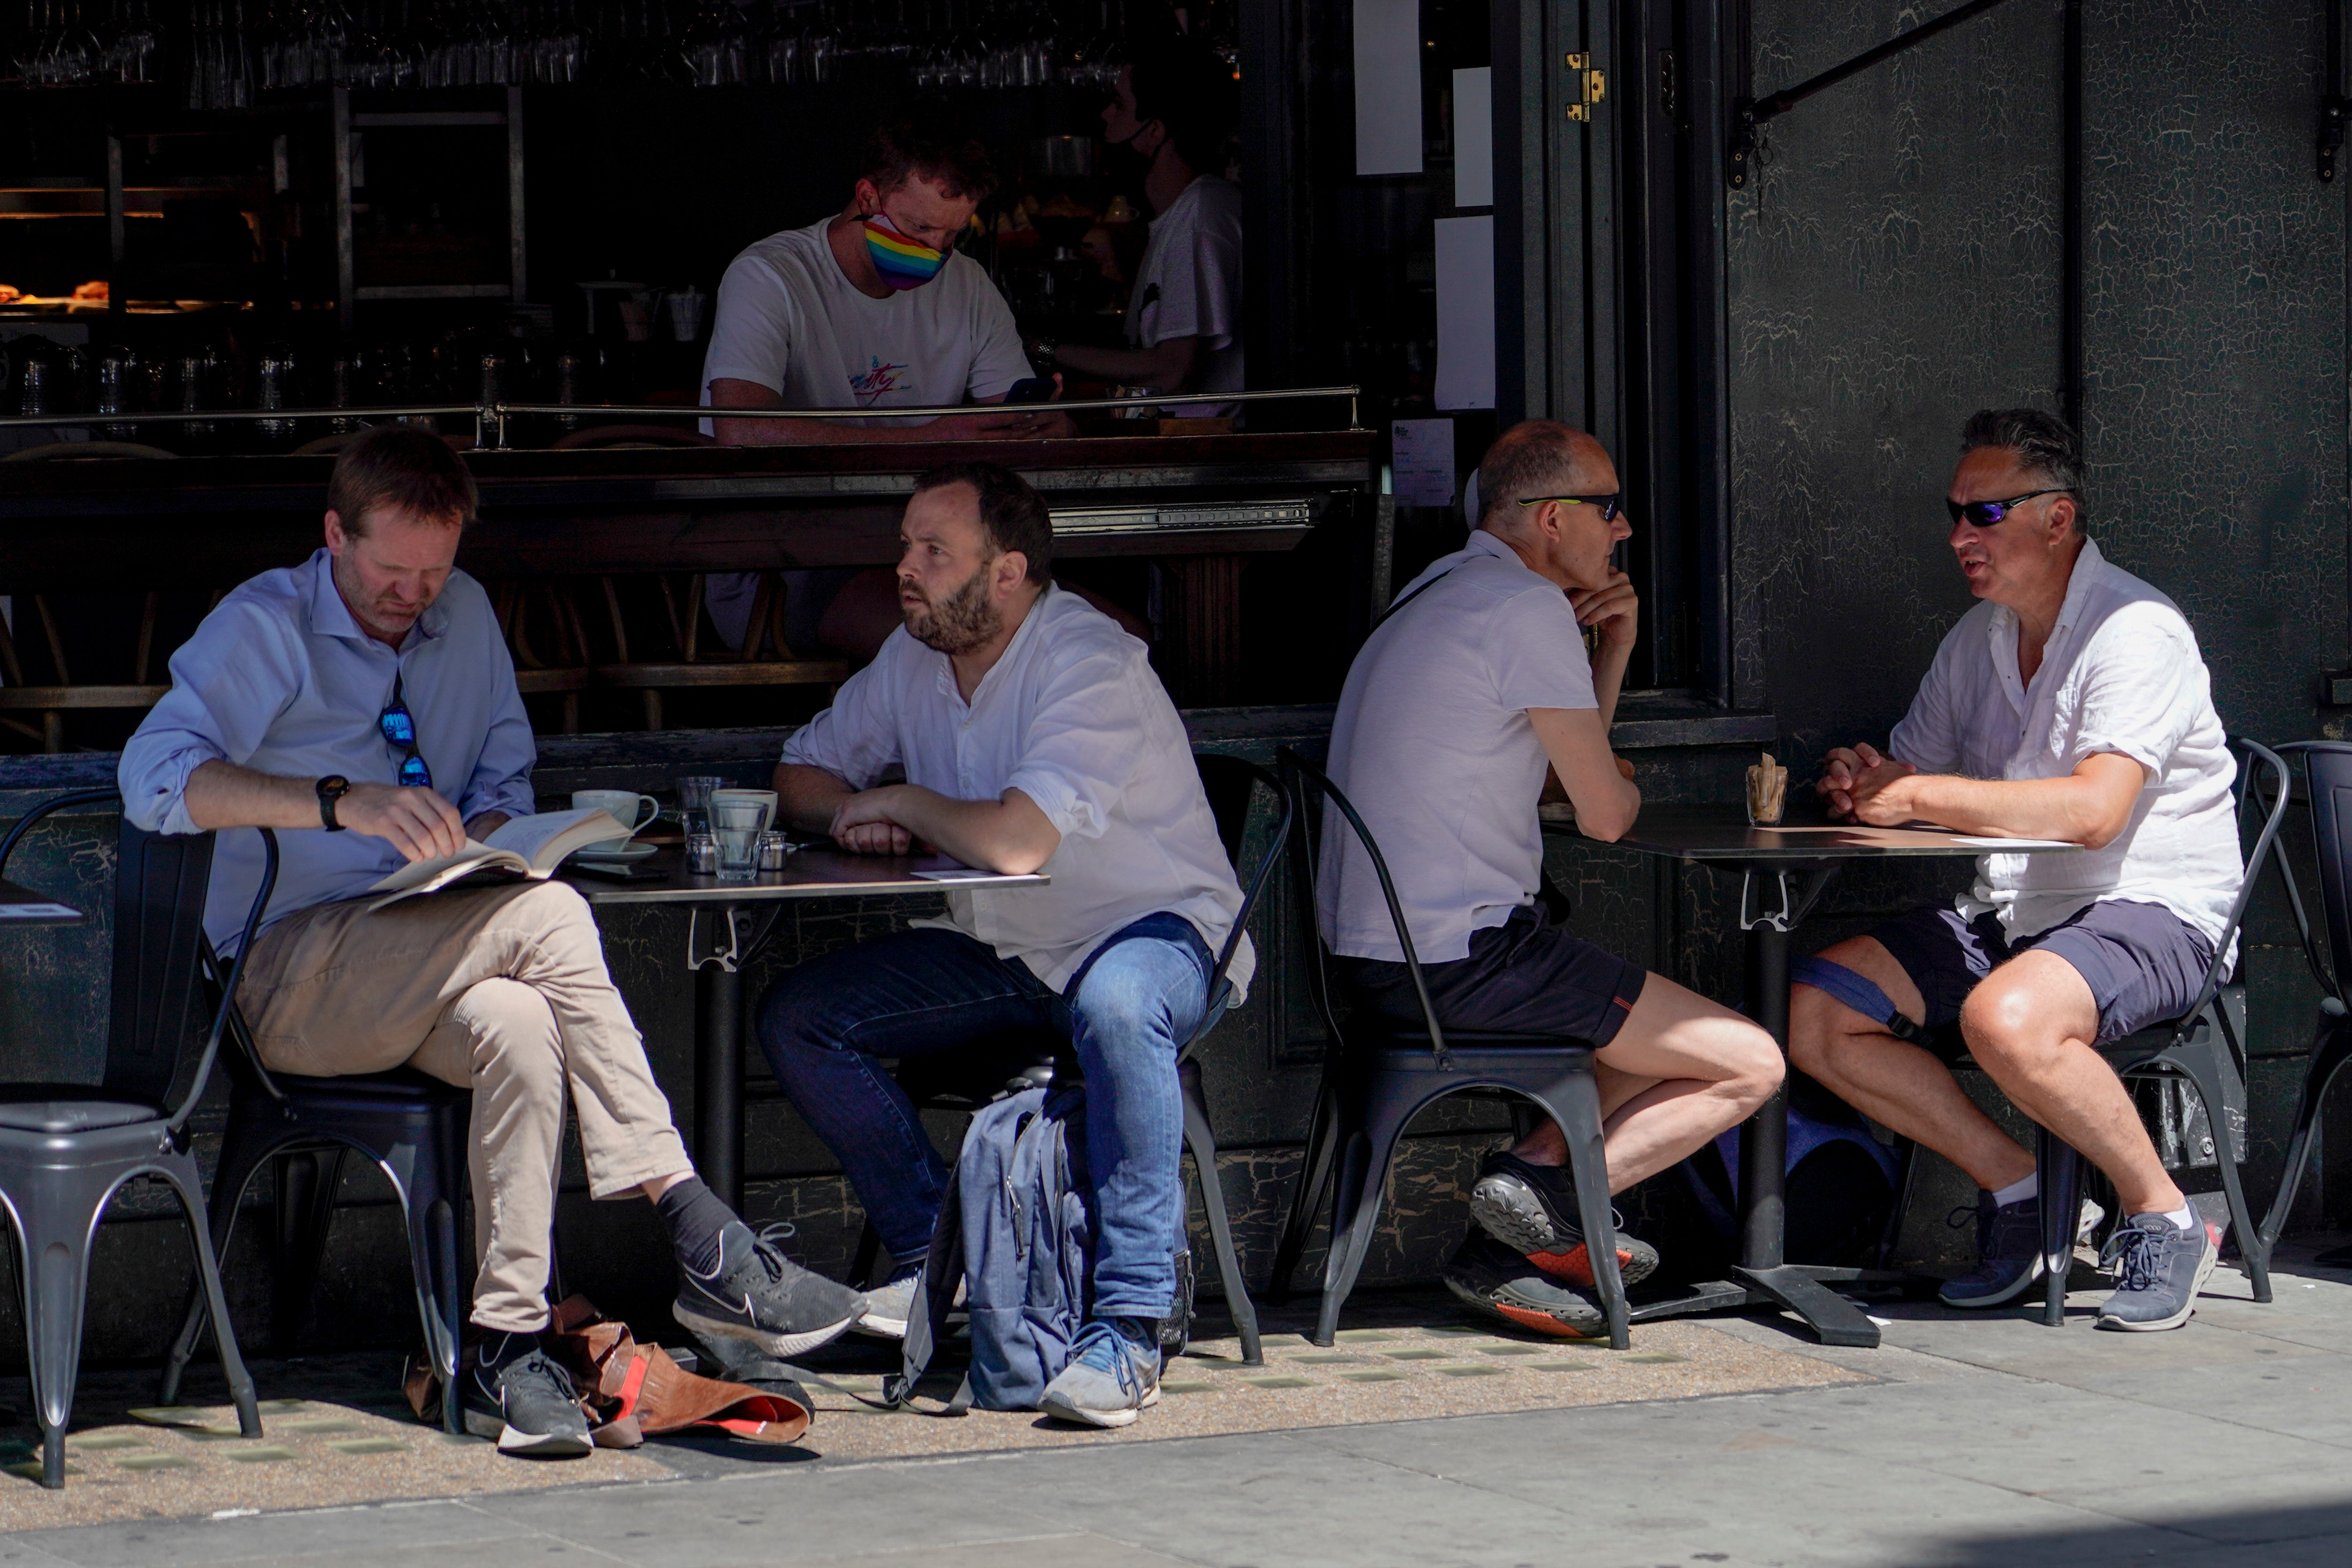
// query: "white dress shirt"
[[281, 680], [1433, 746], [1073, 717], [2120, 673]]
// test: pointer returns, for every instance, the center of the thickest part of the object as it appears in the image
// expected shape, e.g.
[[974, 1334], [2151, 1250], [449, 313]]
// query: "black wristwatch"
[[332, 788]]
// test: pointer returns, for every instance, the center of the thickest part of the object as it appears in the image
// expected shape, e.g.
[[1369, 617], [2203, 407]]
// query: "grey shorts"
[[2143, 963]]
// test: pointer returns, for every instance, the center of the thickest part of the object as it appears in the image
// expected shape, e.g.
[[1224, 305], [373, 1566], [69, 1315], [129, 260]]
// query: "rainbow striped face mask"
[[903, 262]]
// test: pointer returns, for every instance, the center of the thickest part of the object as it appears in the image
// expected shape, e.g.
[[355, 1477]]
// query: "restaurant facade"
[[1775, 311]]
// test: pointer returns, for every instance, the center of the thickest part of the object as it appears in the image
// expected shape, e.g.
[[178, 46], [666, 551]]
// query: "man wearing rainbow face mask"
[[873, 308]]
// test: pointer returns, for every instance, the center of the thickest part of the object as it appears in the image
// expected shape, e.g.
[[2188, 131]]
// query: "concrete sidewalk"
[[1982, 1441]]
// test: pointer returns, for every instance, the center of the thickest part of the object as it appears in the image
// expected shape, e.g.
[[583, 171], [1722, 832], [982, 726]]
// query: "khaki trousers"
[[502, 991]]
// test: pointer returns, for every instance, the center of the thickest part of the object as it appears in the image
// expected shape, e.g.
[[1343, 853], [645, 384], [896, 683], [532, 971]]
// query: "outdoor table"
[[1782, 871], [22, 907], [719, 1014]]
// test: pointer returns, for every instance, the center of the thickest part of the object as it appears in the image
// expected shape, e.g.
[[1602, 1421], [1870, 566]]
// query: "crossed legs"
[[1679, 1071]]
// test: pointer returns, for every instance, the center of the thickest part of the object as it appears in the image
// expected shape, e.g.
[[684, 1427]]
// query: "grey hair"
[[2043, 443]]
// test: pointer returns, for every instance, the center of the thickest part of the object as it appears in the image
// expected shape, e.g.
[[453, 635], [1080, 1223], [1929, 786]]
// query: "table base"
[[1800, 1288]]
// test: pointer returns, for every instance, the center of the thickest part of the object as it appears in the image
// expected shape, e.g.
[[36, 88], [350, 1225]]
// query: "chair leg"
[[238, 1163], [1314, 1189], [1364, 1151], [181, 1174], [1202, 1143], [869, 1252], [1908, 1175], [57, 1221], [2252, 1251], [2059, 1174], [305, 1182], [2328, 1054], [1575, 1107]]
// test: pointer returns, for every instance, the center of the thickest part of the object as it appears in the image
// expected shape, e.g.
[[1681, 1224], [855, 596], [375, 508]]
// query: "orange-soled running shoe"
[[1529, 1208], [1497, 1282]]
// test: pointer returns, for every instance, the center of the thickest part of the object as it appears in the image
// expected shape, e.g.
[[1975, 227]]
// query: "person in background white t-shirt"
[[1175, 108], [872, 307]]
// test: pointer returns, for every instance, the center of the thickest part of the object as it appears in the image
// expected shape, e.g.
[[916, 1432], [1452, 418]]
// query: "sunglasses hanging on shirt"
[[399, 728]]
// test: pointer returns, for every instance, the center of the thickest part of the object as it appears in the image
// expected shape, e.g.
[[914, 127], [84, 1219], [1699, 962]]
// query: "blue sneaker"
[[2008, 1250], [2158, 1269], [1113, 1375]]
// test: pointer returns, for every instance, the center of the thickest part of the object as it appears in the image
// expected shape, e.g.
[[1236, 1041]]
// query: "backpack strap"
[[1857, 992], [942, 1271]]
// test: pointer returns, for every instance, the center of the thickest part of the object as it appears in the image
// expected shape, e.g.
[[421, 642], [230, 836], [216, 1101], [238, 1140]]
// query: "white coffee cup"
[[626, 807], [766, 799]]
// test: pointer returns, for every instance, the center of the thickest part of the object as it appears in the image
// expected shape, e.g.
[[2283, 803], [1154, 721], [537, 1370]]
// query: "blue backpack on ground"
[[1016, 1232]]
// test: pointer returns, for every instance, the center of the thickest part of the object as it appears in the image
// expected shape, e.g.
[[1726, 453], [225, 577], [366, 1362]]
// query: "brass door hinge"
[[1587, 84]]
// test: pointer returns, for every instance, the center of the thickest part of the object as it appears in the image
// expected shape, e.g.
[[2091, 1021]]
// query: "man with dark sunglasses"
[[1473, 684], [336, 702], [2070, 705]]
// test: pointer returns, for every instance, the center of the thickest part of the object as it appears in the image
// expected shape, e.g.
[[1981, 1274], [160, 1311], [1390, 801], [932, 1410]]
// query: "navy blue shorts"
[[2143, 963], [1523, 975]]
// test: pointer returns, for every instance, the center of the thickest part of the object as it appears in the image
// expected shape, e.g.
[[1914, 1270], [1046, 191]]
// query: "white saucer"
[[610, 854]]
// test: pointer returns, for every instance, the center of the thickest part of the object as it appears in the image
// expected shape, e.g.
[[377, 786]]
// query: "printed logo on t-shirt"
[[878, 382]]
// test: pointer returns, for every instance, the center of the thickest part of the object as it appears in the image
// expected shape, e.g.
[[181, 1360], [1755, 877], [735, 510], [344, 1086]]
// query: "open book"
[[526, 846]]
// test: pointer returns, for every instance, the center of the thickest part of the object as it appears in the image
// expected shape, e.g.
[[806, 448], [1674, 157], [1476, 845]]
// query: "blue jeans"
[[1129, 1009]]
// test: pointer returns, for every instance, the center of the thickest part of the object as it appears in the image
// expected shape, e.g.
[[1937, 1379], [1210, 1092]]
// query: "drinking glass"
[[737, 825], [694, 801]]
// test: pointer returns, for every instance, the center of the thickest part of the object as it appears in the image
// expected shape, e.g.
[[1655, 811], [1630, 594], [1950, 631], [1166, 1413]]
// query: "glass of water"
[[694, 802], [737, 824]]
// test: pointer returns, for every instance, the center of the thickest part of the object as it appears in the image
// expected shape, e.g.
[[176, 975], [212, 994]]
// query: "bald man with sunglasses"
[[1474, 683], [2071, 704]]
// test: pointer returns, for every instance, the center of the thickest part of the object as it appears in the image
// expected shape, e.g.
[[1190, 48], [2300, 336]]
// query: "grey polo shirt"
[[1433, 746]]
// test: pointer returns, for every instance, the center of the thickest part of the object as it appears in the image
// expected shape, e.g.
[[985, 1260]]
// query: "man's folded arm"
[[2091, 806], [1606, 802], [230, 682]]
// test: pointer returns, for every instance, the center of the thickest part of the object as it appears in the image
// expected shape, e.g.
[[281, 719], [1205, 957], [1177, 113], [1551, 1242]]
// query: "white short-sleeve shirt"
[[1433, 746], [1073, 717], [2121, 673], [789, 318], [1190, 285]]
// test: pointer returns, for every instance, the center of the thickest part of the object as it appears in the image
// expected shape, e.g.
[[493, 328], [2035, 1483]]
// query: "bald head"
[[1538, 458]]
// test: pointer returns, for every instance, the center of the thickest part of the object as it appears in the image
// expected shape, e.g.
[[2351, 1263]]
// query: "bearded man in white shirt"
[[1032, 735], [2070, 704]]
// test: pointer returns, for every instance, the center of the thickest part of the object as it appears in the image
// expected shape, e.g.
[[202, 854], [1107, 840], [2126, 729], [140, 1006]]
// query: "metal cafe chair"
[[66, 1149], [2328, 777], [1007, 1064], [2206, 1047], [1372, 1090], [412, 1125]]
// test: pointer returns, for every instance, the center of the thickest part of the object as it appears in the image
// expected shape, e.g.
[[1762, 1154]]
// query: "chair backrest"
[[1231, 784], [2327, 775], [1312, 785], [160, 881]]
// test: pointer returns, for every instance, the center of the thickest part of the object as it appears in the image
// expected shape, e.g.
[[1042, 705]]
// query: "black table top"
[[22, 907], [815, 873], [1720, 832]]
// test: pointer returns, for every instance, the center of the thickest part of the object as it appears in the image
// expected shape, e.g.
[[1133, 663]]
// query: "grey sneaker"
[[883, 1311], [528, 1405], [762, 1297], [1113, 1376], [1531, 1210], [2158, 1269], [2008, 1250]]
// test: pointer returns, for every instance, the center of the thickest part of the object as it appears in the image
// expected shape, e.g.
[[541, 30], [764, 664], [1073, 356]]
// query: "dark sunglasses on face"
[[1985, 514], [400, 729], [1609, 505]]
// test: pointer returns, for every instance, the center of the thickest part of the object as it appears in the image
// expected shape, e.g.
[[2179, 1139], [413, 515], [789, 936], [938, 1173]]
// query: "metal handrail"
[[490, 418]]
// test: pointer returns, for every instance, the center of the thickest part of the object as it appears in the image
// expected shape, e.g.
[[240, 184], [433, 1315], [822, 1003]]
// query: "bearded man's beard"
[[959, 622]]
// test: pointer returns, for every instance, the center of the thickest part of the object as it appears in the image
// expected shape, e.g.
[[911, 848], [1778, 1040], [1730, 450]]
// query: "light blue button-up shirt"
[[281, 680]]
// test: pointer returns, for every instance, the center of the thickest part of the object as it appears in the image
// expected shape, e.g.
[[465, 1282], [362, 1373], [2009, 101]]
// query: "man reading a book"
[[1032, 735], [363, 705]]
